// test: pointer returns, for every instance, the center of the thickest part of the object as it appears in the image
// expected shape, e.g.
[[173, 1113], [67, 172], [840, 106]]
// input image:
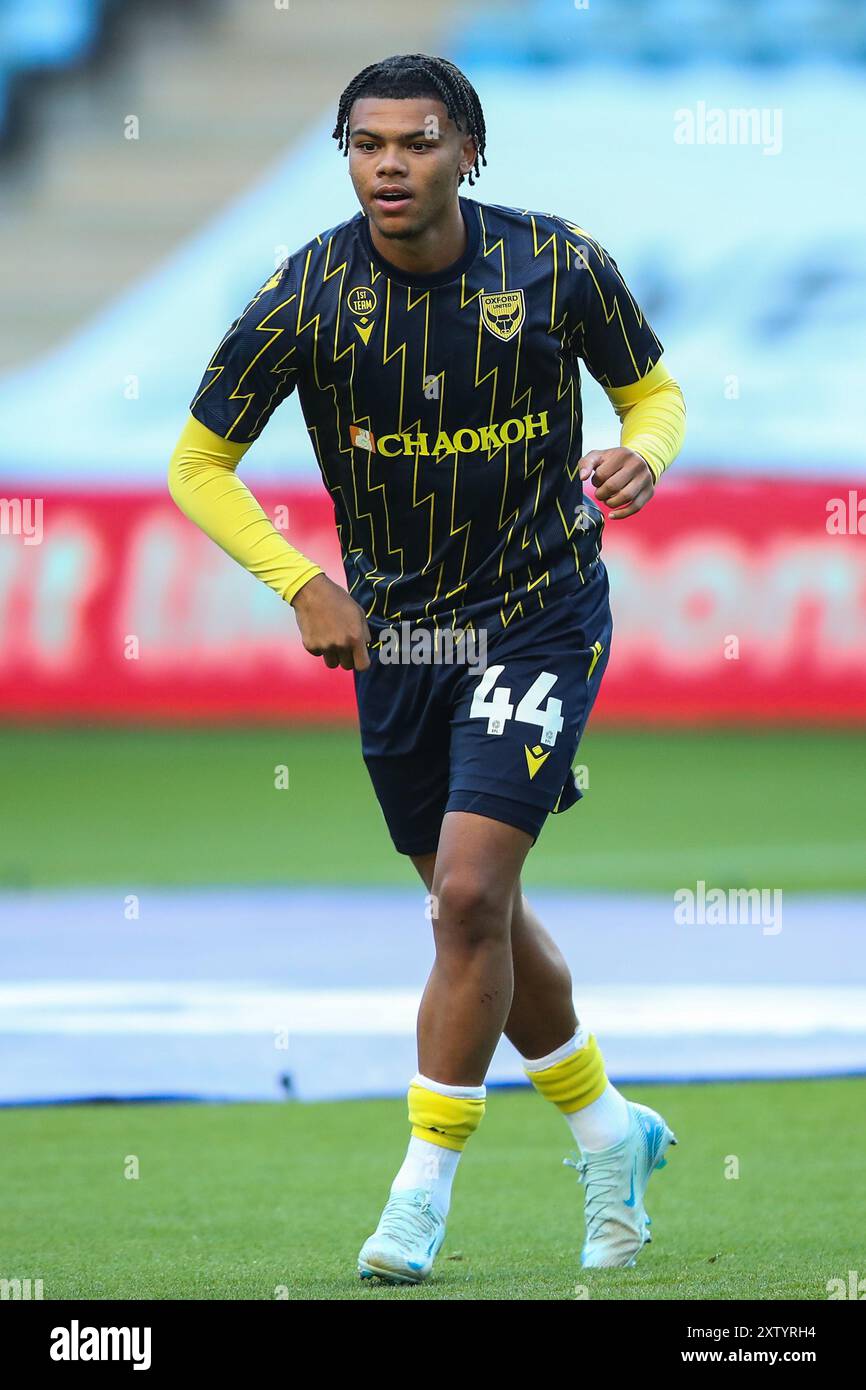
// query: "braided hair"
[[417, 75]]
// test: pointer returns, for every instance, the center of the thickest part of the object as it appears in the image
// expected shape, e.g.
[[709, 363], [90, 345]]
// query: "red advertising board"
[[732, 602]]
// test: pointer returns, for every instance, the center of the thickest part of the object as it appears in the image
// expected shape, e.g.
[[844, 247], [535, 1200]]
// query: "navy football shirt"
[[444, 410]]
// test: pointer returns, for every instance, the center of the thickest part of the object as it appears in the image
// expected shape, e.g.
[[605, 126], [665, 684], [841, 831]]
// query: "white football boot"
[[615, 1179]]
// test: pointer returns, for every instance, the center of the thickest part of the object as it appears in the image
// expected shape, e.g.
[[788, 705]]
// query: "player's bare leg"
[[542, 1014], [463, 1011], [468, 996], [542, 1025], [621, 1143]]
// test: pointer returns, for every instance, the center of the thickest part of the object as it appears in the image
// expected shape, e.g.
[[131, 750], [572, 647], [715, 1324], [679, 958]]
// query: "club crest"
[[503, 313]]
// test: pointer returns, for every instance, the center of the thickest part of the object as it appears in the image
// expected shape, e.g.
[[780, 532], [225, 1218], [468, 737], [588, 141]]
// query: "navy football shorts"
[[500, 741]]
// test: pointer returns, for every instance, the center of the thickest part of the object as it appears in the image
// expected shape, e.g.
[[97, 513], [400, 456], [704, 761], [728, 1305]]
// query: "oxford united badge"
[[503, 313]]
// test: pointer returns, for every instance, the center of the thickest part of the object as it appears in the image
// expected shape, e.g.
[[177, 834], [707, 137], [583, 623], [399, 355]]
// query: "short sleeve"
[[609, 331], [256, 364]]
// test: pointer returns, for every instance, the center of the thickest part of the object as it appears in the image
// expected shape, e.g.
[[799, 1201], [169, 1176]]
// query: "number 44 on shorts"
[[493, 703]]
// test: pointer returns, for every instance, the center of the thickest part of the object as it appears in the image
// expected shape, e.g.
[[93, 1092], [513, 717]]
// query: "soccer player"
[[434, 341]]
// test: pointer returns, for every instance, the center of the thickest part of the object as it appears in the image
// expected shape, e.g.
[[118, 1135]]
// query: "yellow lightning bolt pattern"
[[486, 515]]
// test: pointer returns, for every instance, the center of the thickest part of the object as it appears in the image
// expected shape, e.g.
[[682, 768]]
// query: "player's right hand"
[[332, 624]]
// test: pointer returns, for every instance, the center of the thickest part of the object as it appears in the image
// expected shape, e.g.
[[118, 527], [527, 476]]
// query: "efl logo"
[[362, 439]]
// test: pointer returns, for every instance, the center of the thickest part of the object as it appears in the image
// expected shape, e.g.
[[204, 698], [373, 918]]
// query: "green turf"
[[236, 1201], [782, 809]]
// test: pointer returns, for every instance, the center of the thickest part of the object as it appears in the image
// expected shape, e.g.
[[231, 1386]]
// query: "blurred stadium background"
[[172, 923]]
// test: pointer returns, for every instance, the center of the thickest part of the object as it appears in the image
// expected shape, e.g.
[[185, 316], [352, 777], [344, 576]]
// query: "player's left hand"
[[622, 480]]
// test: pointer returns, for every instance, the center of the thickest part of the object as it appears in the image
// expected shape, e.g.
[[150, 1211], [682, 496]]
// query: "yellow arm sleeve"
[[653, 417], [203, 483]]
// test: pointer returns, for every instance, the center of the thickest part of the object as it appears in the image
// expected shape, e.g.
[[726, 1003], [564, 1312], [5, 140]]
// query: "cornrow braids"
[[418, 75]]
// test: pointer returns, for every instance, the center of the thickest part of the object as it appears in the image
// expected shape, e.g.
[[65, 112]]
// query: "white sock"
[[580, 1039], [602, 1123], [432, 1166], [605, 1121]]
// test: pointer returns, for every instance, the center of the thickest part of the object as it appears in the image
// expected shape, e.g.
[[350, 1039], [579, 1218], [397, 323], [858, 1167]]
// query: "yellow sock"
[[443, 1119], [573, 1082]]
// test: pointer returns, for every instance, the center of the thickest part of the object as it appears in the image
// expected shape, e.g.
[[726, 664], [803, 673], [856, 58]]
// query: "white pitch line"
[[127, 1007]]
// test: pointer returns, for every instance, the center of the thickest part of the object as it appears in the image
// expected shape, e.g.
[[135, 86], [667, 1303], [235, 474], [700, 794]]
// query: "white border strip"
[[126, 1007]]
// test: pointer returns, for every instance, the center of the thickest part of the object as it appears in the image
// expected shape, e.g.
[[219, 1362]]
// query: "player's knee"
[[470, 910]]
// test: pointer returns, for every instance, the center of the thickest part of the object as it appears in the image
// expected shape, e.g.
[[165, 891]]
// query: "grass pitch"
[[242, 1202], [734, 808]]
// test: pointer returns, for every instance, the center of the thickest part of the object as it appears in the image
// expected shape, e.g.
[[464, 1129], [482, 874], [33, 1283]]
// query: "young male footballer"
[[435, 342]]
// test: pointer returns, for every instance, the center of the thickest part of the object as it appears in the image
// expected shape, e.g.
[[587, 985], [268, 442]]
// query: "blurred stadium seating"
[[42, 35], [123, 261], [666, 34], [87, 212]]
